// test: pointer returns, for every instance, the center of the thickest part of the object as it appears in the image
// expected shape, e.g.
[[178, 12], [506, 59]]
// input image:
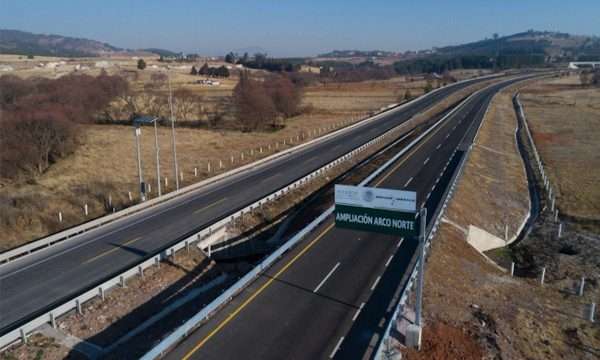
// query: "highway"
[[332, 295], [36, 283]]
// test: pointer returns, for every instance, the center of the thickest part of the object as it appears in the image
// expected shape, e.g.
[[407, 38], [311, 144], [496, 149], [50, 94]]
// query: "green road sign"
[[376, 210]]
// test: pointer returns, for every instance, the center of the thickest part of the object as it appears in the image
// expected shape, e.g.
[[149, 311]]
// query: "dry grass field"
[[565, 122]]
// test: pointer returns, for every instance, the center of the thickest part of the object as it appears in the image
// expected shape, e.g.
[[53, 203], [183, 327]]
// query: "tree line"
[[206, 70]]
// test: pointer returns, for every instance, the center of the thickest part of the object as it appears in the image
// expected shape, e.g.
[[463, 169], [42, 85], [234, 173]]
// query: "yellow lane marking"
[[210, 205], [427, 138], [112, 250], [255, 294]]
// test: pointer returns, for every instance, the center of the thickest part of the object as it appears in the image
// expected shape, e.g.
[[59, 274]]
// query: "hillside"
[[25, 43], [554, 45]]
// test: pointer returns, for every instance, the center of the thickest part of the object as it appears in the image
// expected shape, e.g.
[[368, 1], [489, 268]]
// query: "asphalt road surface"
[[36, 283], [333, 294]]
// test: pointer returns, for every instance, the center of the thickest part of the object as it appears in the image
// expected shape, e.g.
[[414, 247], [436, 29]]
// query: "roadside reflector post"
[[60, 218], [220, 164], [109, 200], [129, 195], [166, 182], [85, 209], [196, 172], [101, 291], [141, 271], [512, 269], [122, 282], [181, 175], [543, 276], [559, 230], [208, 167]]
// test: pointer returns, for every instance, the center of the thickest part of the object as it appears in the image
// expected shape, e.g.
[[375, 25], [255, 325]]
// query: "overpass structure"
[[584, 64]]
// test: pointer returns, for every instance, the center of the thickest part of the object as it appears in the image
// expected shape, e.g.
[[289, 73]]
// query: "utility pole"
[[138, 133], [157, 157], [175, 167]]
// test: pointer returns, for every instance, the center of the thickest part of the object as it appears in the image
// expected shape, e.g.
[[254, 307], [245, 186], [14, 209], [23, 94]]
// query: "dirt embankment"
[[474, 310]]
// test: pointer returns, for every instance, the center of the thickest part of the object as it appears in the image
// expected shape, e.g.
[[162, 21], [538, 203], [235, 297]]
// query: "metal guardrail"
[[205, 313]]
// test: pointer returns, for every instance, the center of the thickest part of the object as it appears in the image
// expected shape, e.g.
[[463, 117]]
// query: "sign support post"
[[420, 279]]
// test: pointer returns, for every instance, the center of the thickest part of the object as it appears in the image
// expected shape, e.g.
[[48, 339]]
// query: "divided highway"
[[36, 283], [333, 294]]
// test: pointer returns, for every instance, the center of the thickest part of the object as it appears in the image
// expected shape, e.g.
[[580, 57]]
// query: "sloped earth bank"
[[472, 308]]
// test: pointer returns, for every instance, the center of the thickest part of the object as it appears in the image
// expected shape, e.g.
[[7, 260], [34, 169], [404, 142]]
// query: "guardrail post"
[[23, 336], [78, 306], [581, 286], [592, 312], [52, 320]]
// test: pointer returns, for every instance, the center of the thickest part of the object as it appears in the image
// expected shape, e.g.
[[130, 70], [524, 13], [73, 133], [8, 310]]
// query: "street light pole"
[[157, 157], [137, 133], [175, 167]]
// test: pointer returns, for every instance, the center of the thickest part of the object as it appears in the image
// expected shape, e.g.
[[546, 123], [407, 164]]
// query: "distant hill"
[[25, 43], [161, 52], [550, 44], [356, 53]]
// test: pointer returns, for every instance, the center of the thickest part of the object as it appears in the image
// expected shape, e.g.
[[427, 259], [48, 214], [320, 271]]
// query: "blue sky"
[[296, 27]]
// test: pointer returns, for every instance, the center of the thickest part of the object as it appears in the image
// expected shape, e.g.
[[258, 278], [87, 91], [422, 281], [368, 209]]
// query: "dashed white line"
[[389, 261], [335, 349], [358, 311], [408, 182], [375, 283], [326, 277], [439, 146], [426, 161], [399, 242], [447, 136]]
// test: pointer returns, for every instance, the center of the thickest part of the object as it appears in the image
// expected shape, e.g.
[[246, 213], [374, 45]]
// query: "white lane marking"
[[399, 243], [426, 161], [389, 260], [438, 147], [335, 349], [358, 311], [408, 182], [326, 277], [375, 283], [447, 136]]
